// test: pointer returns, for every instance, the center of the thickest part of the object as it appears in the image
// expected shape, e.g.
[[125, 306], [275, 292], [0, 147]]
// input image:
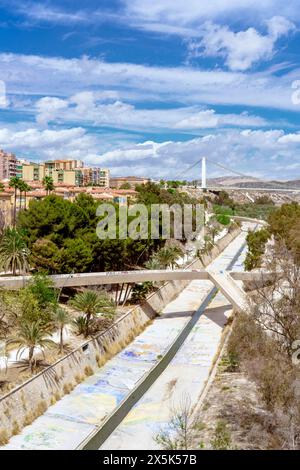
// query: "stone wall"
[[26, 402]]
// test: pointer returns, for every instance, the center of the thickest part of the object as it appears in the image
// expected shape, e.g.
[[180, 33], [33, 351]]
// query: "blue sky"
[[147, 87]]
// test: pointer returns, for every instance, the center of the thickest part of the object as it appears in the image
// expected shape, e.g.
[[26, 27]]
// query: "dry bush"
[[276, 307], [179, 432], [247, 339], [276, 378], [4, 437], [88, 371]]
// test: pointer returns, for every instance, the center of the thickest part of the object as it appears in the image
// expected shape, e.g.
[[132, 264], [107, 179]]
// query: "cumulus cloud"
[[240, 49], [101, 109], [273, 152], [49, 106], [239, 150], [41, 144], [202, 120], [210, 119], [290, 138]]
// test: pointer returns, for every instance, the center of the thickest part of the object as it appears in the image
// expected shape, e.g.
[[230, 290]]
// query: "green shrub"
[[222, 437], [140, 291]]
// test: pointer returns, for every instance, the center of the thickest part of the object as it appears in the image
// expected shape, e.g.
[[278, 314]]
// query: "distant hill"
[[249, 182]]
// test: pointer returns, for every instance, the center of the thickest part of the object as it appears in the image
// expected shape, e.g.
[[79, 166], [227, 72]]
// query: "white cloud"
[[279, 26], [202, 120], [51, 14], [35, 75], [273, 152], [242, 151], [169, 16], [101, 109], [184, 17], [240, 49], [45, 144], [49, 106], [290, 138], [209, 119]]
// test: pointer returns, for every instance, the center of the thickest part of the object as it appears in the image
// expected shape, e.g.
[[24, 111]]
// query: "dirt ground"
[[231, 416]]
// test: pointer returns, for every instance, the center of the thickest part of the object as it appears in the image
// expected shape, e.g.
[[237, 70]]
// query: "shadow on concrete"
[[148, 310], [184, 313], [217, 314]]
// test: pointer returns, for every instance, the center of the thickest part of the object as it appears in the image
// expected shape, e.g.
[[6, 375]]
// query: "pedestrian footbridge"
[[227, 282]]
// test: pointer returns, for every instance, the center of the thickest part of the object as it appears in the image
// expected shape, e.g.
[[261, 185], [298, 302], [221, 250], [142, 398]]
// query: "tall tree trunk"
[[15, 208], [30, 357], [88, 319], [20, 200]]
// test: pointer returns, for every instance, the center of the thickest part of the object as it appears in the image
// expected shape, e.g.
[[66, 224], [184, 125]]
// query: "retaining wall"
[[29, 400]]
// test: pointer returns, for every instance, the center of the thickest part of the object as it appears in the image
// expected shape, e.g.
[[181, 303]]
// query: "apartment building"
[[95, 177], [8, 165], [31, 171], [67, 177], [63, 172], [65, 165]]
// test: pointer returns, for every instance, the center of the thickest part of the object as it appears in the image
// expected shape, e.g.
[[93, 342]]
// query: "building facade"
[[96, 177], [65, 165], [8, 165], [31, 172], [63, 172]]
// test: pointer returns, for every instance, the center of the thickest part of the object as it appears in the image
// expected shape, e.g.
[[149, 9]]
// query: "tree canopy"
[[61, 236]]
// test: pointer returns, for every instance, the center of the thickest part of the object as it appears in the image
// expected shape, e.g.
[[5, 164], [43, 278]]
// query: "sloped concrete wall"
[[26, 402]]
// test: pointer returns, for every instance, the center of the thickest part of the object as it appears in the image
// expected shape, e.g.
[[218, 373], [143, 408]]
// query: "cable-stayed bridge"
[[258, 184]]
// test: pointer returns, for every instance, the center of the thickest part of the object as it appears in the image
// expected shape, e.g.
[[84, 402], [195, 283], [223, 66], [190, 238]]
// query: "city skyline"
[[147, 89]]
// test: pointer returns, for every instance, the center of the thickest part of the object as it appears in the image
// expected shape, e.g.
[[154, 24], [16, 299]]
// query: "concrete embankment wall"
[[26, 402]]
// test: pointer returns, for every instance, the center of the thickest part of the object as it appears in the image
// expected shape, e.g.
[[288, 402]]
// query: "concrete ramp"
[[230, 289]]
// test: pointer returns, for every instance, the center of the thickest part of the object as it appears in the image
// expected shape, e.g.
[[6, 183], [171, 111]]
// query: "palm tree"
[[21, 188], [153, 263], [14, 182], [90, 303], [206, 249], [61, 319], [48, 184], [213, 230], [169, 255], [14, 253], [31, 335], [24, 187]]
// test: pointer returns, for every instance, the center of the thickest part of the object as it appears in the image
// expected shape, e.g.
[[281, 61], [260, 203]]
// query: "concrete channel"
[[100, 436], [185, 377], [97, 439]]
